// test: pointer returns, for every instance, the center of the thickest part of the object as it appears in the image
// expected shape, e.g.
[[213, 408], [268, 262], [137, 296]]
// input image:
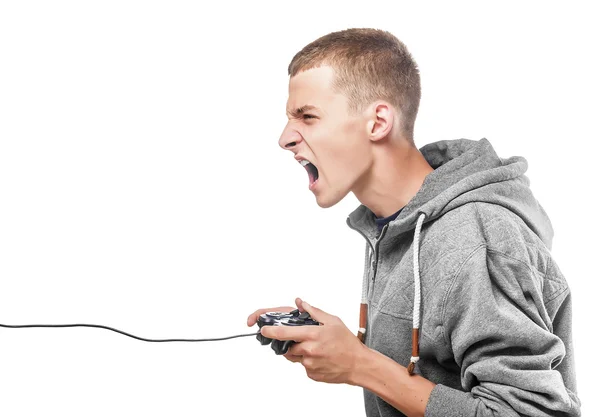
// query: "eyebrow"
[[300, 110]]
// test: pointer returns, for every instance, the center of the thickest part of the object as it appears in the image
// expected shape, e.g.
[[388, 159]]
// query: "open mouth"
[[313, 172]]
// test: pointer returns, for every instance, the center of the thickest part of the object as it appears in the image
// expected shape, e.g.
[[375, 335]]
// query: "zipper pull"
[[373, 269]]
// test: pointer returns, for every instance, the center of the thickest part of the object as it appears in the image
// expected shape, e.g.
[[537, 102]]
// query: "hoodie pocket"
[[393, 293]]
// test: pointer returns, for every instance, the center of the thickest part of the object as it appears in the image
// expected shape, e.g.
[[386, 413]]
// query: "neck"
[[394, 178]]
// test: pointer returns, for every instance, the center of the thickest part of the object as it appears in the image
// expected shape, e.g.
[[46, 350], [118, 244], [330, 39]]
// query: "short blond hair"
[[369, 64]]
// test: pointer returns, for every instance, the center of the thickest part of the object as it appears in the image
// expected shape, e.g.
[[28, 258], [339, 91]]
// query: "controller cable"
[[11, 326]]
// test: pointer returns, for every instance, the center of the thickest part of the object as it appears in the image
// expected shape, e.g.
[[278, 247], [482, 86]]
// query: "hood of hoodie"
[[464, 171]]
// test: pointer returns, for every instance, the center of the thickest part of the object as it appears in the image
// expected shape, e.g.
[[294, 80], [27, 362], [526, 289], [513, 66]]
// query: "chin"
[[327, 200], [326, 204]]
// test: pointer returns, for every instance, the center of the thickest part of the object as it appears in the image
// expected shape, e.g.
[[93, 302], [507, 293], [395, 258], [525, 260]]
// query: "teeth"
[[304, 162]]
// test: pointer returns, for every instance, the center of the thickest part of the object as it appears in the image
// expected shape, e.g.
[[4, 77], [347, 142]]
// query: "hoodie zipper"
[[374, 254], [379, 239]]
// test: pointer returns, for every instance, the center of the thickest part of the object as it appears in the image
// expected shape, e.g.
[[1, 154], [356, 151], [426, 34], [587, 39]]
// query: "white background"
[[142, 187]]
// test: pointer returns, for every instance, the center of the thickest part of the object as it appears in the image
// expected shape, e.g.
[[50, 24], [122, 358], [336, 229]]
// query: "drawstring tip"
[[362, 322], [415, 351], [411, 365]]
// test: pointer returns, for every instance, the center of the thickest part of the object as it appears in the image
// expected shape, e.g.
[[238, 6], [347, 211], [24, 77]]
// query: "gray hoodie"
[[492, 306]]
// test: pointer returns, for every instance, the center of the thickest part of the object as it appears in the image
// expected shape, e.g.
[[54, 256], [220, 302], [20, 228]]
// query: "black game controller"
[[293, 318]]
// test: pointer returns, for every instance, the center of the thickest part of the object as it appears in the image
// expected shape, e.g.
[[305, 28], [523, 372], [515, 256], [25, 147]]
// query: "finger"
[[304, 349], [299, 305], [295, 333], [295, 349], [253, 318], [292, 358], [316, 313]]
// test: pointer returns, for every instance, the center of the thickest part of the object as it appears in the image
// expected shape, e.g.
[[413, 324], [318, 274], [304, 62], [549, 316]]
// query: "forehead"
[[312, 87]]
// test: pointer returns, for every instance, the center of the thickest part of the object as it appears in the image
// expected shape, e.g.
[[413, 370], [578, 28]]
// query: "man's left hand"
[[329, 353]]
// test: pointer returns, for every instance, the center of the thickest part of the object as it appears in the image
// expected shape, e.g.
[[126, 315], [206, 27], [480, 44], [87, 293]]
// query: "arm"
[[501, 335], [390, 381]]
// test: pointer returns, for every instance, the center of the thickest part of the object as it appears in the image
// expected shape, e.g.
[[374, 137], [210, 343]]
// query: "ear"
[[380, 120]]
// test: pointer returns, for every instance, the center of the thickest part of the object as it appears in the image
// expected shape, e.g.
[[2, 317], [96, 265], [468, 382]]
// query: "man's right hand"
[[253, 318]]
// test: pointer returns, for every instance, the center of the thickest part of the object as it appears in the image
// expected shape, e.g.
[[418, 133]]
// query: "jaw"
[[350, 173], [327, 195]]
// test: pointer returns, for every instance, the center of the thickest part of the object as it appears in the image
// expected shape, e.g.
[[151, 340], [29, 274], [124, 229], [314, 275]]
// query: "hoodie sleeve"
[[500, 323]]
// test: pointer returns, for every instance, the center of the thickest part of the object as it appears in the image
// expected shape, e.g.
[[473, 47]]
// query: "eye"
[[309, 116]]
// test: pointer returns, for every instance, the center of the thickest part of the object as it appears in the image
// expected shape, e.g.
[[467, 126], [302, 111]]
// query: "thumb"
[[316, 313]]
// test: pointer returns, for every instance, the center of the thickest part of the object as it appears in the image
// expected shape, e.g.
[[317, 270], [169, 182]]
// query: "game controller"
[[293, 318]]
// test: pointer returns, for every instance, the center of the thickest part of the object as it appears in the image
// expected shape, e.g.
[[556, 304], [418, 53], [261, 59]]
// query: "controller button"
[[304, 315]]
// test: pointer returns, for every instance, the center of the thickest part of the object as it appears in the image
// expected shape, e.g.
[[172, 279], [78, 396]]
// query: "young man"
[[468, 314]]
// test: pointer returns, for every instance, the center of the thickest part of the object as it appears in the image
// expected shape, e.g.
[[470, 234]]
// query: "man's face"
[[324, 134]]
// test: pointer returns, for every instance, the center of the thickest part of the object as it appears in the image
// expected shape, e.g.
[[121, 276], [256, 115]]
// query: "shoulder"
[[500, 238], [512, 257], [479, 224]]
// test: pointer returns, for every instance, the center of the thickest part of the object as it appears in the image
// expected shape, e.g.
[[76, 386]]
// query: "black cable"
[[126, 334]]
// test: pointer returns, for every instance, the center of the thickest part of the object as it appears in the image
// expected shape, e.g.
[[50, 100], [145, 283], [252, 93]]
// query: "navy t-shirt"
[[382, 221]]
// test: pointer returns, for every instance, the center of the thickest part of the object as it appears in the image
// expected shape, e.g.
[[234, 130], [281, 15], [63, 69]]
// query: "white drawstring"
[[362, 321], [365, 283], [417, 300], [417, 284]]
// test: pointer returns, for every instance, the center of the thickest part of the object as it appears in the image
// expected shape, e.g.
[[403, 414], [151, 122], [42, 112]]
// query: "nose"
[[289, 138]]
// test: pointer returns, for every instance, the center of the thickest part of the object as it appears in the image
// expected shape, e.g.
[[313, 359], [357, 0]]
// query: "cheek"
[[347, 160], [355, 146], [340, 149]]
